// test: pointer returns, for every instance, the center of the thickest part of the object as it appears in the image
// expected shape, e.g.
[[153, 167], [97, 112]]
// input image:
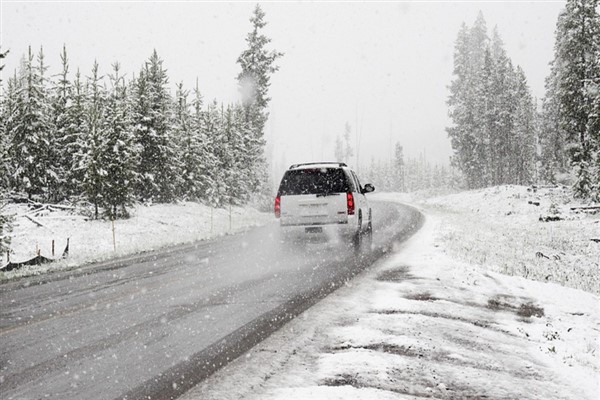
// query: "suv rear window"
[[313, 181]]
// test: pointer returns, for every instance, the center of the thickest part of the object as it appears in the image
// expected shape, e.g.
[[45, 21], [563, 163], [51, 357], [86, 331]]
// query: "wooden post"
[[113, 232], [52, 247], [8, 256], [229, 215]]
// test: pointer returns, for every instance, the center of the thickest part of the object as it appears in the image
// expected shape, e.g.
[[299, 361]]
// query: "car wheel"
[[358, 235], [368, 236]]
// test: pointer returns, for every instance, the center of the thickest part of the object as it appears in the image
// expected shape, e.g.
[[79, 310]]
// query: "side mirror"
[[368, 188]]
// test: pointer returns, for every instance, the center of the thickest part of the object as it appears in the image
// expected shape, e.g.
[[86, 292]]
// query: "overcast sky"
[[382, 67]]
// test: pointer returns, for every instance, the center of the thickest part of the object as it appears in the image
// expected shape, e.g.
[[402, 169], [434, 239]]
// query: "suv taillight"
[[350, 203], [277, 207]]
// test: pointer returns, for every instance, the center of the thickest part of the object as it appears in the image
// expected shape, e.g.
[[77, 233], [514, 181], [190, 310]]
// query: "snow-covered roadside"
[[149, 228], [423, 324], [502, 229]]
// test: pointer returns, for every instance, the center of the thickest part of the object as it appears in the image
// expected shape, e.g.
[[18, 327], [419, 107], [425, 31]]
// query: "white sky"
[[383, 66]]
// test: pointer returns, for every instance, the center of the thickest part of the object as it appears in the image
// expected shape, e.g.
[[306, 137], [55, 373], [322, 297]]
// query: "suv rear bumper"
[[313, 224], [330, 232]]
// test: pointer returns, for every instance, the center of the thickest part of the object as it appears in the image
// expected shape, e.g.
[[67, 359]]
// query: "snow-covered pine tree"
[[501, 118], [553, 159], [5, 220], [202, 149], [189, 133], [4, 115], [76, 138], [594, 129], [483, 105], [485, 110], [51, 152], [119, 158], [218, 193], [257, 64], [10, 109], [30, 141], [525, 132], [575, 69], [92, 157], [460, 103], [233, 160], [61, 157], [250, 154], [593, 126], [152, 118], [185, 139]]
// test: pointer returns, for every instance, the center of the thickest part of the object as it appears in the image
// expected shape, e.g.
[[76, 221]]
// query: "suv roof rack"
[[339, 164]]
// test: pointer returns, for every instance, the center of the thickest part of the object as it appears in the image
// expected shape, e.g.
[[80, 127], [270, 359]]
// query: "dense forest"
[[109, 141], [500, 134], [120, 138]]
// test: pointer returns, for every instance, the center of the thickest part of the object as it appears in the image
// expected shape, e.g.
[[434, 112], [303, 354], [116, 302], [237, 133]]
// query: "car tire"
[[358, 235], [368, 236]]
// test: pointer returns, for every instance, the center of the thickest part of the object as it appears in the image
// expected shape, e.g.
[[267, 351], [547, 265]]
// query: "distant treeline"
[[411, 174], [498, 135]]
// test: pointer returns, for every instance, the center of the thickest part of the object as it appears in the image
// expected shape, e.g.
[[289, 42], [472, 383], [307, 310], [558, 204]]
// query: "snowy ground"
[[150, 228], [440, 318], [499, 229], [429, 322]]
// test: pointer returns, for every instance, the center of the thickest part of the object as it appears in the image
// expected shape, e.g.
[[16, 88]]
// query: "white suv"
[[323, 199]]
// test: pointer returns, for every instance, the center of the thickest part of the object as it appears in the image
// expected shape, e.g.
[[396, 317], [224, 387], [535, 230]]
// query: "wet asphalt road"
[[153, 326]]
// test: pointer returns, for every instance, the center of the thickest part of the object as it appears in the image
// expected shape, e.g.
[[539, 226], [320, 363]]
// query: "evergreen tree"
[[5, 220], [30, 141], [235, 169], [202, 161], [250, 158], [553, 158], [575, 73], [152, 119], [10, 108], [461, 103], [501, 118], [4, 116], [493, 115], [186, 143], [75, 138], [218, 193], [61, 157], [257, 64], [525, 132], [92, 157], [119, 155], [195, 157]]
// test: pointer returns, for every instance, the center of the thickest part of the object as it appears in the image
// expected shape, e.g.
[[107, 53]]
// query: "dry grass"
[[500, 230]]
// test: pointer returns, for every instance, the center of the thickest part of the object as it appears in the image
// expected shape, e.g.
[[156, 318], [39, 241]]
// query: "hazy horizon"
[[382, 67]]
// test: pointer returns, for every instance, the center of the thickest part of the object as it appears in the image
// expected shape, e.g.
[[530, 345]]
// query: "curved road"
[[153, 326]]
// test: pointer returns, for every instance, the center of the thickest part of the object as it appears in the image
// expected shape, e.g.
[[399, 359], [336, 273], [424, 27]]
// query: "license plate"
[[314, 230]]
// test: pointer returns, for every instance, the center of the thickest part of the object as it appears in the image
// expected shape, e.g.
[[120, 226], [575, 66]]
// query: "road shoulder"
[[421, 324]]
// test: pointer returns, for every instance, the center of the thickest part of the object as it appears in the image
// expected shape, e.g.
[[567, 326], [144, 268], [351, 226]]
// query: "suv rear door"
[[314, 196]]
